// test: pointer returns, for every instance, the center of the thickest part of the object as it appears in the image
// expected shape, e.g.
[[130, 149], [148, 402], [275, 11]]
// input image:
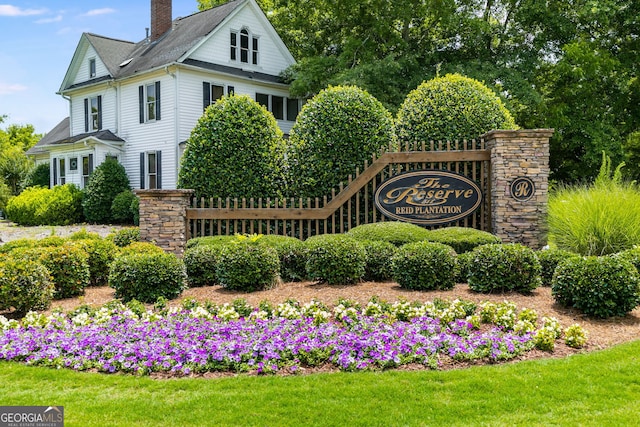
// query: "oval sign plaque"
[[428, 197]]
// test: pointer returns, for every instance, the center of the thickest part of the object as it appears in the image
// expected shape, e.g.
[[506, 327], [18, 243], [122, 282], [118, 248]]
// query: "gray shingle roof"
[[185, 33], [61, 135]]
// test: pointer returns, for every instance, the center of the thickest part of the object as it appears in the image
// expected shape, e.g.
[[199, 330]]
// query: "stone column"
[[163, 218], [519, 184]]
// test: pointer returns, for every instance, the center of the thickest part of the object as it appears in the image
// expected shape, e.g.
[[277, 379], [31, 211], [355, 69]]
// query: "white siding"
[[82, 74], [216, 50], [109, 100], [157, 135]]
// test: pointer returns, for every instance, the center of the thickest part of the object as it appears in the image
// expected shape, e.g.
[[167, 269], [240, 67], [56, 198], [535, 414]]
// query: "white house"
[[138, 102]]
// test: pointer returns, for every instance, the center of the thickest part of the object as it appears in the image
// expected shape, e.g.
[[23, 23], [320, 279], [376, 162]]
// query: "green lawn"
[[596, 389]]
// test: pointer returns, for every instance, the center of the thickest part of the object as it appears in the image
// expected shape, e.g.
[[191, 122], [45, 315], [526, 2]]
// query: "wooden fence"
[[351, 204]]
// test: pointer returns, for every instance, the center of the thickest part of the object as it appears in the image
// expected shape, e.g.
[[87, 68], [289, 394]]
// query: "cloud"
[[10, 10], [103, 11], [49, 20], [8, 89]]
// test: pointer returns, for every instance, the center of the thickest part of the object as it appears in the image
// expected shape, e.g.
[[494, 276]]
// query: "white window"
[[92, 68], [211, 92], [62, 171], [86, 170], [149, 102], [95, 113], [276, 104], [244, 47], [150, 170]]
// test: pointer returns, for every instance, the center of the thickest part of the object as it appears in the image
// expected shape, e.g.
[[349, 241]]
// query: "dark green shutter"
[[86, 115], [206, 95], [142, 170], [141, 102], [158, 169], [157, 100]]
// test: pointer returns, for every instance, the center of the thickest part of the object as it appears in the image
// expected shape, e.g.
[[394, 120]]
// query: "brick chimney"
[[161, 18]]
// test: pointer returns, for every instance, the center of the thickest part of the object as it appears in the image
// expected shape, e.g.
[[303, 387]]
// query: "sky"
[[37, 42]]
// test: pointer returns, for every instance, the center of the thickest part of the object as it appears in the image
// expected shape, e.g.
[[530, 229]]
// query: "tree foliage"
[[107, 181], [567, 65]]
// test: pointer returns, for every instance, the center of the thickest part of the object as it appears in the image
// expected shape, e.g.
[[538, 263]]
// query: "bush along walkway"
[[284, 338]]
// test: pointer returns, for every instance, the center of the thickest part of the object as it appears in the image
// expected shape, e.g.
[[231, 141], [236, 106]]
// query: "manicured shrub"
[[549, 259], [39, 176], [125, 236], [138, 248], [464, 264], [379, 254], [6, 248], [61, 205], [107, 181], [425, 266], [201, 263], [83, 234], [235, 150], [100, 255], [597, 219], [600, 287], [462, 239], [335, 259], [50, 241], [292, 255], [499, 268], [121, 211], [248, 266], [632, 255], [68, 266], [396, 232], [450, 108], [336, 131], [209, 241], [25, 285], [147, 276]]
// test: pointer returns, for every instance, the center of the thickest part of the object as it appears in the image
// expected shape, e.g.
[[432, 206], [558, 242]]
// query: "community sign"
[[428, 197]]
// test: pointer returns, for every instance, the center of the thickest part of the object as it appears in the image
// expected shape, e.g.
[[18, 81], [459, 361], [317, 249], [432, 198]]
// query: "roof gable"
[[124, 59]]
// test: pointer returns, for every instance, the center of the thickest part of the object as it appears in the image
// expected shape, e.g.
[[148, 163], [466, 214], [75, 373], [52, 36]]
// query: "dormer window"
[[244, 47], [92, 68]]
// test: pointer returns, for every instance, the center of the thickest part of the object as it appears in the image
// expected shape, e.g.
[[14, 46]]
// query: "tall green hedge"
[[450, 108], [107, 181], [61, 205], [235, 150], [334, 134]]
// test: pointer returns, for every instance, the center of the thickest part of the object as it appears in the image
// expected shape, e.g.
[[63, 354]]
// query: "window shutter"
[[55, 170], [99, 112], [206, 95], [141, 102], [158, 169], [86, 115], [90, 164], [142, 175], [157, 100]]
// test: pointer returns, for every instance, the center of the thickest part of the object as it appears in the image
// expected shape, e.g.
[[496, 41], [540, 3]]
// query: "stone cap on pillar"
[[164, 193], [518, 133]]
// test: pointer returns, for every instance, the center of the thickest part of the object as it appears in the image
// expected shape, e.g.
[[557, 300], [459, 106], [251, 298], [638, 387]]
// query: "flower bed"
[[285, 338]]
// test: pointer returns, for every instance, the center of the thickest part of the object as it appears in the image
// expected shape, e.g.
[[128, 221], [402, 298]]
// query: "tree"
[[107, 181], [235, 150]]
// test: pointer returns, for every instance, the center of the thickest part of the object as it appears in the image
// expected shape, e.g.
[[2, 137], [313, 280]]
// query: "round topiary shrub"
[[138, 248], [464, 264], [450, 108], [600, 287], [395, 232], [425, 266], [292, 255], [509, 267], [379, 267], [100, 255], [25, 285], [549, 259], [125, 236], [334, 134], [209, 241], [121, 211], [335, 259], [462, 239], [201, 263], [107, 181], [235, 150], [248, 266], [67, 264], [147, 276], [61, 205]]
